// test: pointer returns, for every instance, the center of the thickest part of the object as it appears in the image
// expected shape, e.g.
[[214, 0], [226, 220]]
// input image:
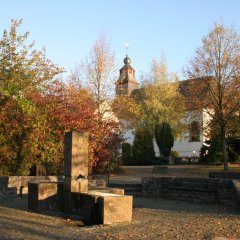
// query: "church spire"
[[127, 60], [126, 82]]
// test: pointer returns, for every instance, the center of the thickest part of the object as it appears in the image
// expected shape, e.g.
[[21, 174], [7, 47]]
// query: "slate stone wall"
[[236, 196], [202, 190], [225, 175], [12, 186]]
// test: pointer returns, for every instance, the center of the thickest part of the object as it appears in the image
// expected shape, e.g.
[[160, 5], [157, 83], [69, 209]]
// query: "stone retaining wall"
[[225, 175], [203, 190], [160, 169], [236, 196], [12, 186]]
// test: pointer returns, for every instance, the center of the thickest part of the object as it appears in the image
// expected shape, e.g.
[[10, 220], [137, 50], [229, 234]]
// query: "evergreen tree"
[[164, 138], [126, 153], [142, 149]]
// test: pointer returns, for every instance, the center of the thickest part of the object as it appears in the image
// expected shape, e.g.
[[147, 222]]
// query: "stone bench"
[[119, 191], [45, 196], [99, 205], [105, 208]]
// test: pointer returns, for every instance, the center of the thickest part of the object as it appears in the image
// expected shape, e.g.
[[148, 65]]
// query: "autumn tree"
[[218, 60], [64, 108], [96, 75], [162, 102], [37, 109], [97, 71], [23, 70], [128, 110]]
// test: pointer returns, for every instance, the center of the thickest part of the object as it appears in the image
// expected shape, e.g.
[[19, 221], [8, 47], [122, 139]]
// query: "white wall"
[[182, 145]]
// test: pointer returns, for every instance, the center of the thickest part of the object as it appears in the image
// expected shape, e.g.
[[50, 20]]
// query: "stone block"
[[33, 196], [45, 196], [114, 209], [67, 202], [119, 191], [105, 208], [76, 154]]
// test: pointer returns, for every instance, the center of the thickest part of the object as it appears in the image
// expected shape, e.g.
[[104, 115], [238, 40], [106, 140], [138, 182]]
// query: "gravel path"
[[152, 219]]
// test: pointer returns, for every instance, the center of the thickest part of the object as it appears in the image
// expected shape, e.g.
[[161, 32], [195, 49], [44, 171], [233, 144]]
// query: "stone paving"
[[152, 219]]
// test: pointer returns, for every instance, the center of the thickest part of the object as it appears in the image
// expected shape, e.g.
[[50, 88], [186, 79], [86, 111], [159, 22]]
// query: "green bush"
[[114, 166], [211, 151], [233, 150], [214, 151], [204, 152], [174, 153], [127, 154], [142, 149], [164, 138], [232, 156]]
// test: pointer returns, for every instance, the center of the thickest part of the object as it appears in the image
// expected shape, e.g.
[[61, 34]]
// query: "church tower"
[[126, 82]]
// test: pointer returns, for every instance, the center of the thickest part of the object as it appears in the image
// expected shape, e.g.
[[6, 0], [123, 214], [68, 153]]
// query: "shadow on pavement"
[[15, 203]]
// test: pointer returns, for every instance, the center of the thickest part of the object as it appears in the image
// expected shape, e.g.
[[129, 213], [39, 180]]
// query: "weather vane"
[[126, 46]]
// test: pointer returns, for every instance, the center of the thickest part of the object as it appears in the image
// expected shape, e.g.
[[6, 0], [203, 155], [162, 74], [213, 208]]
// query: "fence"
[[176, 160]]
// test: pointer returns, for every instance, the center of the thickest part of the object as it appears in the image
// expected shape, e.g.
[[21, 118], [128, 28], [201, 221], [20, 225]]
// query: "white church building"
[[192, 139]]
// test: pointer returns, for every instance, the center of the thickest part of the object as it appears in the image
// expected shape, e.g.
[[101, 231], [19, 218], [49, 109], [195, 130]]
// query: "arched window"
[[194, 133]]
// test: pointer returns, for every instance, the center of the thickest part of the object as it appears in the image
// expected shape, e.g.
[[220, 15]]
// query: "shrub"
[[142, 149], [233, 150], [174, 154], [113, 166], [164, 138], [127, 154]]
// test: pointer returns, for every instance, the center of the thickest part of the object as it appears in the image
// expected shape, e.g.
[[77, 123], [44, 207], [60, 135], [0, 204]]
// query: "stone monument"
[[76, 162], [99, 206]]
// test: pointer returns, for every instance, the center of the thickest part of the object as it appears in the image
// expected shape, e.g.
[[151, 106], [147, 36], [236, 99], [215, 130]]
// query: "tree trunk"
[[224, 150]]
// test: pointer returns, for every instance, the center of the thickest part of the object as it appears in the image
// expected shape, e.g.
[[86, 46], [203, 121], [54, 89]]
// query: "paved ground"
[[152, 219]]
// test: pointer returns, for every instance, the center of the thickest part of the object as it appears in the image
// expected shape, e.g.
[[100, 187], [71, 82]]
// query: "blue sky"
[[69, 28]]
